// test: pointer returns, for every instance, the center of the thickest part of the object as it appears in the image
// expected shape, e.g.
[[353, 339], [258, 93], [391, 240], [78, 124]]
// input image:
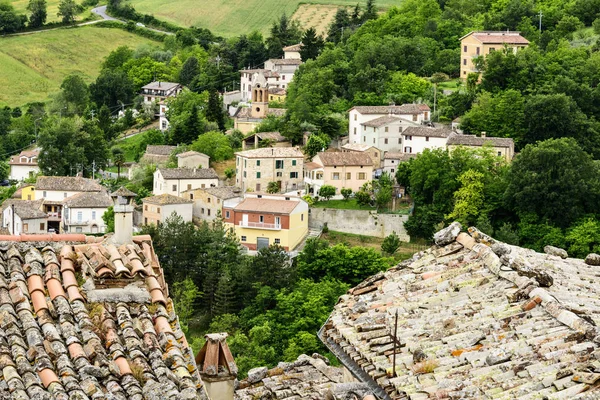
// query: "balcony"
[[260, 225], [54, 216]]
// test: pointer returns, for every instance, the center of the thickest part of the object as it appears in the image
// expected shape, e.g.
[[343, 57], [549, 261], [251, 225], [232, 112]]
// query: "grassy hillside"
[[233, 17], [52, 9], [33, 66]]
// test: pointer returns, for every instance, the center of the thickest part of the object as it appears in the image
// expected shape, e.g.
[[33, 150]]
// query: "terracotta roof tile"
[[67, 184], [272, 152], [426, 131], [89, 200], [188, 173], [404, 109], [389, 155], [499, 37], [190, 154], [472, 140], [344, 158], [26, 209], [166, 199], [267, 205], [159, 150], [30, 158], [294, 47], [285, 61]]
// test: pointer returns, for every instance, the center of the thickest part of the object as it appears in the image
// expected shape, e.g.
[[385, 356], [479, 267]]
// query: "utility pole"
[[434, 99], [94, 169], [93, 113], [541, 15], [218, 60]]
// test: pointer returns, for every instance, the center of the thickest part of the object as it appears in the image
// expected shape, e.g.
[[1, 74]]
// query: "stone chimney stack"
[[483, 134], [123, 207], [217, 367]]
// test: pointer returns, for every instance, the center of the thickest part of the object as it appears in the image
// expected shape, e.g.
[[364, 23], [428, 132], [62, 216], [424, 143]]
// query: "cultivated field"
[[234, 17], [33, 66], [318, 16]]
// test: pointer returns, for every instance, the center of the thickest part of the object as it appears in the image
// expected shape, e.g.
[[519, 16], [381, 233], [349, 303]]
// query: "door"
[[261, 243], [244, 219]]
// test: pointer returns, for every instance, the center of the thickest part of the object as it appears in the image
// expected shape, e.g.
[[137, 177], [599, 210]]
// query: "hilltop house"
[[158, 92], [54, 190], [265, 139], [24, 217], [417, 139], [174, 181], [254, 169], [157, 154], [192, 159], [24, 165], [208, 202], [373, 152], [502, 147], [260, 220], [473, 318], [341, 170], [83, 212], [380, 117], [482, 43], [156, 209]]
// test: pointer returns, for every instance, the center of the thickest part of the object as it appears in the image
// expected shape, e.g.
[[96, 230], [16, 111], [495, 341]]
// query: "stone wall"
[[359, 222]]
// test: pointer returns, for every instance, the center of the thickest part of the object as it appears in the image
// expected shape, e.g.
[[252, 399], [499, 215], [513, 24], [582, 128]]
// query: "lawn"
[[33, 66], [235, 17], [350, 204], [130, 146]]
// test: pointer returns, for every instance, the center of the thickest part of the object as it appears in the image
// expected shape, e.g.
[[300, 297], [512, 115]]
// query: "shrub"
[[390, 244], [346, 193], [327, 192]]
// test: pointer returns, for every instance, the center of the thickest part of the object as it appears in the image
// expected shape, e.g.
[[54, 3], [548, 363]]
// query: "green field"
[[33, 66], [52, 9], [233, 17]]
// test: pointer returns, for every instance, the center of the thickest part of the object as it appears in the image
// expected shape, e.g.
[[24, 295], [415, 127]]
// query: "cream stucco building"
[[417, 139], [482, 43], [24, 165], [256, 168], [208, 202], [359, 115], [175, 181], [157, 209], [348, 170], [192, 159]]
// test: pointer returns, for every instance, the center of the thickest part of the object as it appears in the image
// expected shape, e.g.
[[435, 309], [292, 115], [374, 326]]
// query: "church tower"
[[260, 101]]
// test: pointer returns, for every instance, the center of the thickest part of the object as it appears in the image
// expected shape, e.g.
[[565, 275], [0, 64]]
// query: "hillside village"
[[401, 206]]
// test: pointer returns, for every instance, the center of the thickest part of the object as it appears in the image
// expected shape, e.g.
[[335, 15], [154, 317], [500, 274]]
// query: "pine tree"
[[189, 71], [340, 22], [370, 11], [214, 111], [355, 19], [224, 297], [311, 45]]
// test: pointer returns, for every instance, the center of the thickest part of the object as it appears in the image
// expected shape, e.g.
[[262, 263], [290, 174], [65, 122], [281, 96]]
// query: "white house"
[[175, 181], [24, 216], [192, 159], [157, 209], [82, 213], [417, 113], [385, 132], [391, 160], [158, 92], [24, 165], [292, 52], [417, 139]]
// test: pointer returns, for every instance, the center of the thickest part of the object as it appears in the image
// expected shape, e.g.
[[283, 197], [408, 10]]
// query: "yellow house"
[[482, 43], [28, 192], [277, 94], [261, 220], [350, 170]]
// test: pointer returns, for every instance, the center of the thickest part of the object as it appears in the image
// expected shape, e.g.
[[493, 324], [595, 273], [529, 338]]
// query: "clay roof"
[[272, 152], [166, 199], [224, 192], [271, 136], [89, 321], [426, 131], [498, 37], [123, 192], [278, 91], [382, 121], [285, 61], [161, 85], [89, 200], [357, 146], [215, 359], [67, 184], [159, 150], [477, 318], [294, 47], [188, 173], [406, 109], [26, 209], [344, 158], [307, 378], [472, 140], [16, 159], [268, 206], [190, 154], [389, 155]]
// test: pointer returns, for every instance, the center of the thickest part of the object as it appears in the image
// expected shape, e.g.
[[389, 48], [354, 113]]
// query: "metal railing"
[[260, 225]]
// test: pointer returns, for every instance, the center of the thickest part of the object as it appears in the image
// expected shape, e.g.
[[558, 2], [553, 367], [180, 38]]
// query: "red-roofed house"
[[482, 43]]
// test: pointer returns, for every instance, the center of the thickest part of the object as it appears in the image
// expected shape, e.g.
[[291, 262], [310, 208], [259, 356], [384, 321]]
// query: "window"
[[492, 49], [189, 186], [385, 141], [373, 140], [261, 218], [465, 49], [218, 201], [277, 241], [364, 138], [79, 216], [93, 214], [258, 163], [203, 185], [42, 226], [415, 117], [146, 207], [158, 210], [145, 221], [361, 176], [78, 229], [355, 131], [293, 163], [202, 211], [464, 72], [227, 214], [427, 138], [245, 162], [386, 129], [355, 115], [348, 175], [25, 227], [399, 140], [392, 170], [408, 149], [258, 175], [65, 195], [243, 238], [293, 175], [409, 137], [477, 50], [499, 154], [464, 61], [301, 217], [237, 161], [174, 188], [209, 199], [278, 164], [244, 174], [208, 211], [335, 176]]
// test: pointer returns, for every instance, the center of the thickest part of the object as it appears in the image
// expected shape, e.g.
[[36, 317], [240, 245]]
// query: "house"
[[157, 209], [254, 169], [373, 152], [158, 92], [265, 139], [481, 43], [209, 202], [24, 165], [417, 139], [55, 189], [385, 132], [246, 119], [90, 318], [292, 52], [349, 170], [392, 159], [502, 147], [472, 318], [192, 159], [157, 154], [358, 115], [24, 217], [82, 212], [175, 181], [26, 192], [260, 220], [277, 94]]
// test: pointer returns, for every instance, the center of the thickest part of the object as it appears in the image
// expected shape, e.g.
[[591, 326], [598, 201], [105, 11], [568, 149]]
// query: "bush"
[[327, 192], [346, 193], [390, 244], [363, 198]]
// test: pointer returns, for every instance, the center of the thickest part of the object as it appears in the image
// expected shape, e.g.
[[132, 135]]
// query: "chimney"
[[483, 134], [123, 208], [217, 367]]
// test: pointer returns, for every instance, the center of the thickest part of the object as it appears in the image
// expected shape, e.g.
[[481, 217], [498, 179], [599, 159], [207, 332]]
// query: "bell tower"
[[260, 101]]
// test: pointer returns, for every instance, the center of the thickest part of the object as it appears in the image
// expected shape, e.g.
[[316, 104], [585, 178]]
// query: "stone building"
[[175, 181], [156, 209], [209, 202], [256, 168], [193, 159], [502, 147]]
